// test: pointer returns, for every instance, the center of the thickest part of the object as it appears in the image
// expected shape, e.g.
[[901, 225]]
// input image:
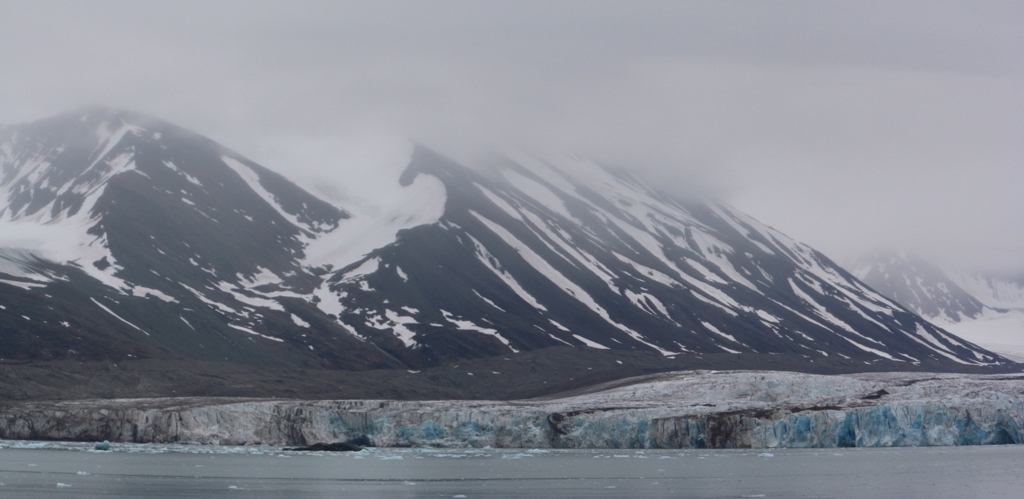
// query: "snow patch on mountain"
[[367, 184], [590, 343], [254, 333], [471, 326], [118, 317], [143, 292], [397, 324], [253, 180], [17, 262], [299, 322], [571, 288], [492, 263], [63, 238]]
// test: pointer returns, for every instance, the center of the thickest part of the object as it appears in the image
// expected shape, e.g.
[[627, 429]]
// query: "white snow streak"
[[111, 312], [560, 280], [254, 333], [492, 263], [590, 343], [471, 326]]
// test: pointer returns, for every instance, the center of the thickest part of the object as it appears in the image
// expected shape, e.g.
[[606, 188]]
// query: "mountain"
[[983, 308], [129, 238], [918, 286], [996, 290], [124, 237]]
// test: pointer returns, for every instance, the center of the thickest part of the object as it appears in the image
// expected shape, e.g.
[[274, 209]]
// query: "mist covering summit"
[[124, 237]]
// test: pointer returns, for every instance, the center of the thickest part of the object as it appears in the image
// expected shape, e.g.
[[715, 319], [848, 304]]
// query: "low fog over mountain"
[[900, 122]]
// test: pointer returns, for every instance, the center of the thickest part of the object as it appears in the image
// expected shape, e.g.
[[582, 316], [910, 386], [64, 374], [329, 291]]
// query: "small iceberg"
[[104, 445]]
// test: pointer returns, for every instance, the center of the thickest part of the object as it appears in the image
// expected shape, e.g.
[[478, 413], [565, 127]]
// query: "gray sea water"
[[44, 470]]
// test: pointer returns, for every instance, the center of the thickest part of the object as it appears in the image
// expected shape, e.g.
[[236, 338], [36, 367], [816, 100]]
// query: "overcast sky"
[[847, 125]]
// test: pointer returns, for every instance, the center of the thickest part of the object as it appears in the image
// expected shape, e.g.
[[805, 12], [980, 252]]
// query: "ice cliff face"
[[679, 410]]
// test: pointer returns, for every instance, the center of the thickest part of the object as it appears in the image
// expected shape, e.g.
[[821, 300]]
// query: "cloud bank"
[[846, 125]]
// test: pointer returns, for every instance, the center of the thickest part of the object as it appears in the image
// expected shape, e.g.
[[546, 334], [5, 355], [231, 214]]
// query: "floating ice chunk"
[[29, 445], [519, 455]]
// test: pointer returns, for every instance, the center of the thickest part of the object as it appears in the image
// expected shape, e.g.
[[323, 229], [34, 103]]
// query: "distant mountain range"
[[985, 308], [919, 286], [124, 237]]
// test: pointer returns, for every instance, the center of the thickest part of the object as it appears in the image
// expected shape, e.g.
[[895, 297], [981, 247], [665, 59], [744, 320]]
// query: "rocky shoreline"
[[696, 409]]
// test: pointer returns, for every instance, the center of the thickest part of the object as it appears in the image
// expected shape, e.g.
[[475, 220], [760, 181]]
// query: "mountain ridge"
[[154, 242]]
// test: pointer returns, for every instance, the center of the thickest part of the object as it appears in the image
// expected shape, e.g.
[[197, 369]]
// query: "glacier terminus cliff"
[[696, 409]]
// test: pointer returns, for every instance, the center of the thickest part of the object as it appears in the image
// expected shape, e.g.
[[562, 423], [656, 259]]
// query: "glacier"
[[694, 409]]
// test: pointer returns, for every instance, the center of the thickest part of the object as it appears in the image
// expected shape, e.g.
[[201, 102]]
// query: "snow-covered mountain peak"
[[50, 176], [73, 185]]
